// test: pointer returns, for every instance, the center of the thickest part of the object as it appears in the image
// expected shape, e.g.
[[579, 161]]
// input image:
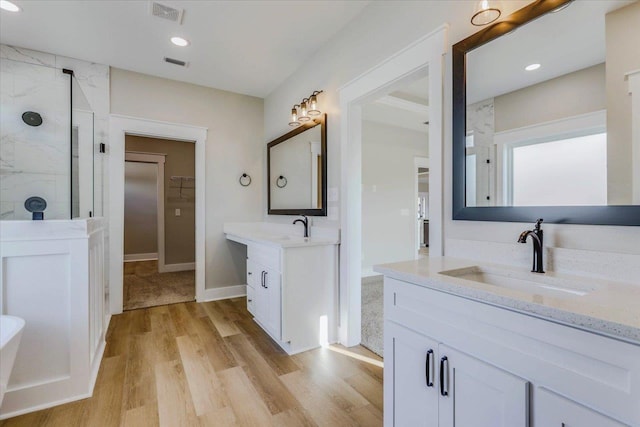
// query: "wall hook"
[[245, 180]]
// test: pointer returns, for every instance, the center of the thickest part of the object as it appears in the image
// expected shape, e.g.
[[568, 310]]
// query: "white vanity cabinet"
[[436, 385], [451, 361], [292, 286]]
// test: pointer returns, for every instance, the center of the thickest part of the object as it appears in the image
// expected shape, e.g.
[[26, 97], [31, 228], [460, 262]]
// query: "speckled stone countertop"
[[601, 306]]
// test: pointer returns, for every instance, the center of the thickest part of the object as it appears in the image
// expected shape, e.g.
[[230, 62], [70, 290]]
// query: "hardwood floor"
[[209, 364]]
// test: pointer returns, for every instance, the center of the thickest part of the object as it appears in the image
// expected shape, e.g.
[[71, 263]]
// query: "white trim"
[[227, 292], [151, 256], [423, 57], [418, 162], [159, 160], [634, 91], [119, 127], [185, 266]]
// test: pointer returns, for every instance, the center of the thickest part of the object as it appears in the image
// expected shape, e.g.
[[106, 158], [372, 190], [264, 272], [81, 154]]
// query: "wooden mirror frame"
[[595, 215], [322, 211]]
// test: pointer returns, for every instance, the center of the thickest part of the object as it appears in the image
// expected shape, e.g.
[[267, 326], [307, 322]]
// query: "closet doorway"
[[159, 222]]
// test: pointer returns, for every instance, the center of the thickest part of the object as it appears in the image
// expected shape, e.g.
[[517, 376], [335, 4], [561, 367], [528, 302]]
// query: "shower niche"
[[47, 148]]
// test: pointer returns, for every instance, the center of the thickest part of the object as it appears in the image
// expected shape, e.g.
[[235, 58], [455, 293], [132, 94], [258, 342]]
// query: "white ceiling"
[[248, 47], [562, 42], [405, 107]]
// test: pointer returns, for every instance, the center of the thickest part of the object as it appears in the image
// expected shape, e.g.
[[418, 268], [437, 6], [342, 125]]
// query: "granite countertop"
[[597, 305]]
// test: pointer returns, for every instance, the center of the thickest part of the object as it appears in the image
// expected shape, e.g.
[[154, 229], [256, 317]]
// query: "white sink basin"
[[522, 280]]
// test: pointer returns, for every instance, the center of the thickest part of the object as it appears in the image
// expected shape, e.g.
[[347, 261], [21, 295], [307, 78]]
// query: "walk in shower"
[[46, 143]]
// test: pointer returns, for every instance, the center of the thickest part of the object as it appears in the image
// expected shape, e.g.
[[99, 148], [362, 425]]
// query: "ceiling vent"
[[166, 12], [176, 62]]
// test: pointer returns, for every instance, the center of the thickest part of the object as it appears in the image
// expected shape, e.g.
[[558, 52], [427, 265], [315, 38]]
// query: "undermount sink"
[[521, 280]]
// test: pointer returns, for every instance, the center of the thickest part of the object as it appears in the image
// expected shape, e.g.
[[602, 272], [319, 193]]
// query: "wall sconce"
[[485, 12], [307, 108]]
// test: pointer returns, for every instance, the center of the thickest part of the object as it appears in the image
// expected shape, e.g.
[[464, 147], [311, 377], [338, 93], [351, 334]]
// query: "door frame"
[[421, 58], [159, 160], [418, 162], [119, 127]]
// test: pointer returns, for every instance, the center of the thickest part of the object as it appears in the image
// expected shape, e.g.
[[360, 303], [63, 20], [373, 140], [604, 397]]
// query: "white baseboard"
[[223, 293], [169, 268], [152, 256]]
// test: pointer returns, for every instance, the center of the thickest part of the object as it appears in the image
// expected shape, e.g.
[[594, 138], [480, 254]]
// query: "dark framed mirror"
[[297, 170], [543, 124]]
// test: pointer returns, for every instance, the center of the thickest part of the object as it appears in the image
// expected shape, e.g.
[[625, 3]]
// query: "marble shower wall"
[[481, 122], [35, 160]]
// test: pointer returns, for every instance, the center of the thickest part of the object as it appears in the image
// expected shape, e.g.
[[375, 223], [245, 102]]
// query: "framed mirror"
[[544, 123], [297, 171]]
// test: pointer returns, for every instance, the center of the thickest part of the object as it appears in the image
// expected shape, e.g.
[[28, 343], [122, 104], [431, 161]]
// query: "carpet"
[[145, 287], [372, 314]]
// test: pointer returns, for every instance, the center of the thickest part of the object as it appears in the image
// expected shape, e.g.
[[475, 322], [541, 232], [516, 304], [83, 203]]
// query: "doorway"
[[422, 58], [159, 222]]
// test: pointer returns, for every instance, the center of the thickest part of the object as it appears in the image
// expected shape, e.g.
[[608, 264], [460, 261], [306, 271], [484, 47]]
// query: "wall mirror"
[[297, 171], [545, 119]]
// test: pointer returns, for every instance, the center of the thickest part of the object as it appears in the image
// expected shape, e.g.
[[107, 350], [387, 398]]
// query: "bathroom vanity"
[[488, 345], [291, 282]]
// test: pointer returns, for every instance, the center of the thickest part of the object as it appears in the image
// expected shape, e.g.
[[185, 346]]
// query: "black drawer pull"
[[444, 372], [429, 368]]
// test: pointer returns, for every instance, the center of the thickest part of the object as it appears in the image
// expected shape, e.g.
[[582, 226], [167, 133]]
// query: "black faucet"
[[305, 222], [536, 236]]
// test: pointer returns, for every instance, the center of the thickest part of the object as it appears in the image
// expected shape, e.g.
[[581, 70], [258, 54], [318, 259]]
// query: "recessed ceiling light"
[[8, 6], [179, 41], [532, 67]]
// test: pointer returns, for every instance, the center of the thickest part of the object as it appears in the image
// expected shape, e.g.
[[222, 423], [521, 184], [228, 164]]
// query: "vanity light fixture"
[[307, 108], [8, 6], [532, 67], [485, 12], [179, 41]]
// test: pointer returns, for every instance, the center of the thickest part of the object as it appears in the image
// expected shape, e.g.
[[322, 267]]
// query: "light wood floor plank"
[[204, 385], [247, 405], [222, 323], [274, 394], [175, 404]]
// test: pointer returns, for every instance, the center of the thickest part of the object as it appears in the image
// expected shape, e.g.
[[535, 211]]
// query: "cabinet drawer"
[[251, 300], [266, 256], [551, 409]]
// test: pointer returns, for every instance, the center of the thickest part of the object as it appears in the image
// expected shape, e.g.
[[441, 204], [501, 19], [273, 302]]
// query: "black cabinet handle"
[[429, 368], [265, 280], [262, 282], [444, 371]]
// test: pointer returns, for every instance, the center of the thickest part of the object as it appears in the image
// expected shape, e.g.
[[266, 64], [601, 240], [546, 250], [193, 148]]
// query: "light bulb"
[[294, 118], [313, 105], [8, 6], [303, 112]]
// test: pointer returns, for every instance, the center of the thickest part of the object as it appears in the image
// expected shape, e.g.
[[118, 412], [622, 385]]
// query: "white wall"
[[381, 30], [234, 146], [388, 193]]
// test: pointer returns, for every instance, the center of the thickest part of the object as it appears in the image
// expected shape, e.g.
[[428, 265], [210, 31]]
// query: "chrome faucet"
[[536, 236], [304, 222]]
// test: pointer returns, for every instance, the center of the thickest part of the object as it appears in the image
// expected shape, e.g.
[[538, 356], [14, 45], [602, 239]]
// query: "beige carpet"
[[372, 314], [145, 287]]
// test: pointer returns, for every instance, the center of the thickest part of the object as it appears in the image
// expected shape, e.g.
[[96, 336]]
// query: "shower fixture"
[[32, 118]]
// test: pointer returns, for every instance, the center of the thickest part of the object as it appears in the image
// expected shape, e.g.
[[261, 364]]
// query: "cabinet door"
[[273, 314], [476, 394], [253, 273], [551, 410], [412, 388]]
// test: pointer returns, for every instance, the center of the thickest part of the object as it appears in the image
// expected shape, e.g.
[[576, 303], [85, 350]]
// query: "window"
[[562, 172]]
